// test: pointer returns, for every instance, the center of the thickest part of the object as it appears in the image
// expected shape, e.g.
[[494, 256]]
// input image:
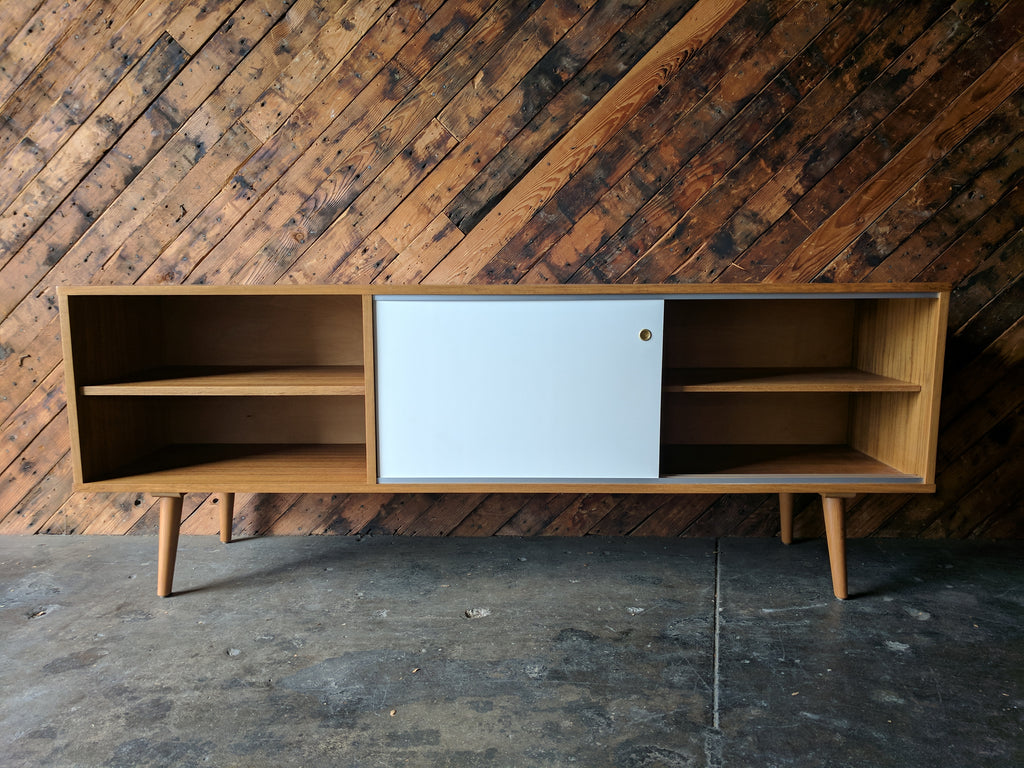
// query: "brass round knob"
[[645, 335]]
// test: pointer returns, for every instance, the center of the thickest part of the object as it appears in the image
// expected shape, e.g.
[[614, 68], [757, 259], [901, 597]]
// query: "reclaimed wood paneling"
[[469, 141]]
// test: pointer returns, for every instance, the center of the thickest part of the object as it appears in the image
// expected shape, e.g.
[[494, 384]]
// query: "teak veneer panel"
[[804, 333], [893, 341], [239, 468], [709, 460]]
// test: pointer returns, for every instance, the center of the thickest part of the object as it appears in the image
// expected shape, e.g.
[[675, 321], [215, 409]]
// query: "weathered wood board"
[[562, 141]]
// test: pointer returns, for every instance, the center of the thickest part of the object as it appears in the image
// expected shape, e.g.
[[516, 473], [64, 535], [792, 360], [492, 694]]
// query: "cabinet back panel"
[[112, 433], [321, 420], [728, 333], [771, 418], [113, 337], [262, 330]]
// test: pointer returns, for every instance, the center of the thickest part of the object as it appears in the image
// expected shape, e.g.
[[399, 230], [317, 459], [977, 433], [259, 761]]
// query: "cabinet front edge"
[[651, 289], [105, 486]]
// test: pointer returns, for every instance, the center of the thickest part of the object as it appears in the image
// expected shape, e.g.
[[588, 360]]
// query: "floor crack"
[[713, 738], [717, 632]]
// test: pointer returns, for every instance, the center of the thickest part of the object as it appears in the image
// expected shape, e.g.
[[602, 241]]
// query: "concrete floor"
[[592, 652]]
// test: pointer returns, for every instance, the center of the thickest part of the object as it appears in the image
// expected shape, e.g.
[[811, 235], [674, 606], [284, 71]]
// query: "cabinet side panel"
[[902, 339], [370, 398], [933, 392], [69, 385]]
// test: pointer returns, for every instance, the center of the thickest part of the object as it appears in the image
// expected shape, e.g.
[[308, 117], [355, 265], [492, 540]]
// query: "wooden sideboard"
[[827, 389]]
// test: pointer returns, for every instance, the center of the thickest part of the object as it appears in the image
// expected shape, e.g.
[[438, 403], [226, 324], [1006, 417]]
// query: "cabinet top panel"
[[679, 289]]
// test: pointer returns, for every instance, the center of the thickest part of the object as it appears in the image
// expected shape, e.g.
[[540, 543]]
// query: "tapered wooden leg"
[[786, 517], [227, 510], [167, 549], [835, 534]]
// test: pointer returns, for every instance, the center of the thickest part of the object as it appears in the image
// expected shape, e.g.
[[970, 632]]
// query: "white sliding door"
[[517, 388]]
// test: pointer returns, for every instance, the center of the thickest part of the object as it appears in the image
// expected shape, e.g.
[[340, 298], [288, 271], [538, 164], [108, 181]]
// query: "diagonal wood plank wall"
[[261, 141]]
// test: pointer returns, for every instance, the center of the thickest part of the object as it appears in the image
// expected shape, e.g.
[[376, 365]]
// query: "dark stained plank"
[[627, 514], [511, 64], [397, 513], [621, 181], [674, 517], [1003, 522], [80, 43], [488, 518], [29, 468], [554, 69], [951, 196], [762, 188], [45, 402], [579, 143], [1001, 445], [315, 212], [40, 197], [538, 513], [970, 374], [948, 123], [335, 38], [987, 326], [444, 515], [565, 108], [355, 516], [335, 252], [28, 36], [657, 237], [1000, 224], [580, 516], [137, 37], [991, 275], [35, 511]]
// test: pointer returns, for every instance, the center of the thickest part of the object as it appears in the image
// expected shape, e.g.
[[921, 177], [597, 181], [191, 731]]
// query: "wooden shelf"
[[244, 467], [260, 381], [781, 380], [775, 460]]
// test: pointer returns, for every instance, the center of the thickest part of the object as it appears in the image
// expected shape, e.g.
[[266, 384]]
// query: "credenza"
[[827, 389]]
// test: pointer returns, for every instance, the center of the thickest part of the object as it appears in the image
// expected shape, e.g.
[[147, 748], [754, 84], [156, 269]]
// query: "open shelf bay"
[[265, 468], [787, 461]]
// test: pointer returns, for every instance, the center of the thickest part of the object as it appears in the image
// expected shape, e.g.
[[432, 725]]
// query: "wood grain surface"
[[157, 142]]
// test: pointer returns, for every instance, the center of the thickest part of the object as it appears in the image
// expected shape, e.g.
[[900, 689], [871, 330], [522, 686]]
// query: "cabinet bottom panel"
[[791, 463], [329, 468], [246, 467]]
